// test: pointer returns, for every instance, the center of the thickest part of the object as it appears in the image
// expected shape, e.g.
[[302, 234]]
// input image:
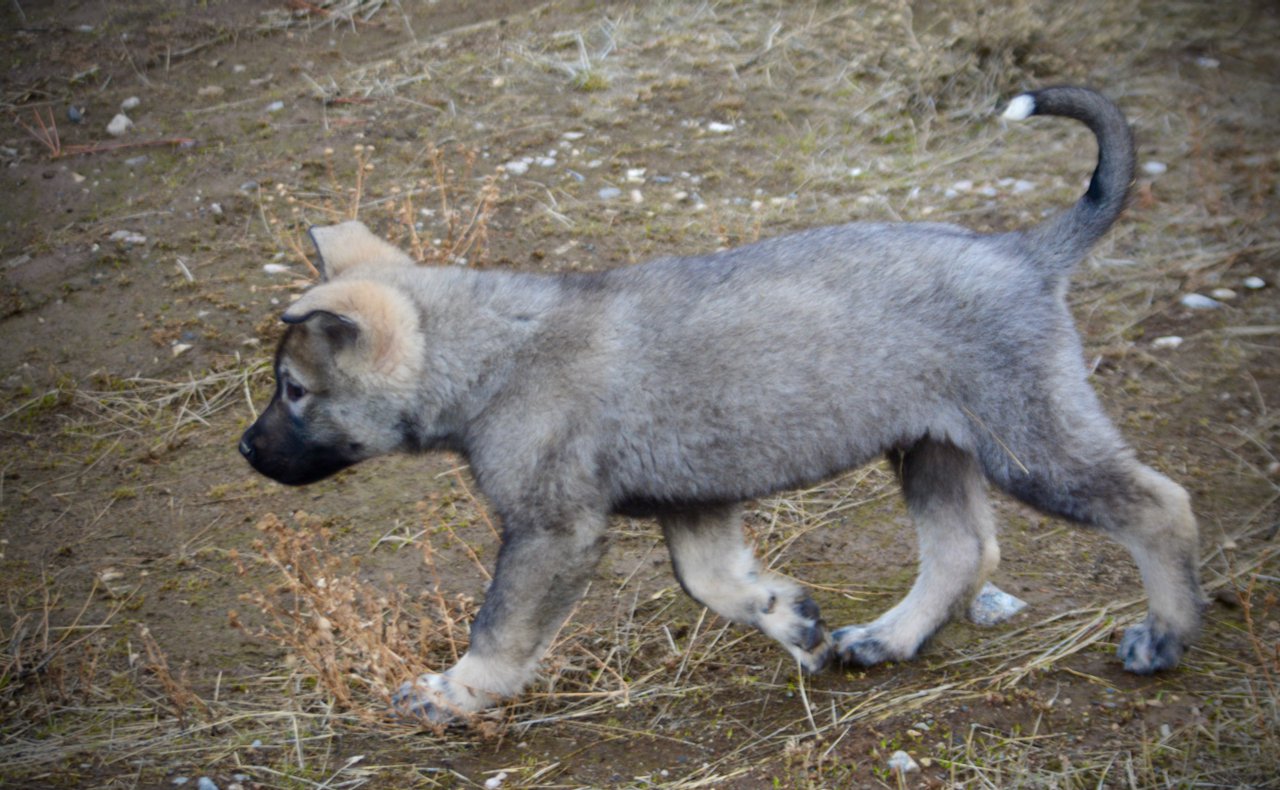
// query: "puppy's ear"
[[373, 326], [351, 245]]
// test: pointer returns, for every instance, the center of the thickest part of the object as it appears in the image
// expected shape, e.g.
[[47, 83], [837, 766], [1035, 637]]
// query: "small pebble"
[[495, 781], [1254, 283], [211, 91], [128, 237], [1199, 302], [1223, 294], [1206, 62], [719, 128], [609, 193], [993, 605], [637, 196], [275, 268], [573, 135], [546, 161], [75, 114], [134, 161], [1168, 341], [205, 783], [900, 763], [1155, 168], [178, 350], [517, 167], [275, 106], [119, 125], [635, 175], [130, 103], [179, 781]]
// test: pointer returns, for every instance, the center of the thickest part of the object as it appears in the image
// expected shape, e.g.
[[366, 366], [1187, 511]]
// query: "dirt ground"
[[142, 276]]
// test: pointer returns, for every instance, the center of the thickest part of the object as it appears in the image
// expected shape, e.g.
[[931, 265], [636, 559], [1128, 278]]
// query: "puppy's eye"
[[293, 390]]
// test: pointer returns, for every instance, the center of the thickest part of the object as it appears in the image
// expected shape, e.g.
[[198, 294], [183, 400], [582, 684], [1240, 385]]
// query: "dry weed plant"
[[178, 696], [434, 218], [59, 663], [357, 641], [322, 13]]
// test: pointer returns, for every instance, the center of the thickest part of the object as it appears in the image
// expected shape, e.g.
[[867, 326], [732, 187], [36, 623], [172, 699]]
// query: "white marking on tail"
[[1021, 108]]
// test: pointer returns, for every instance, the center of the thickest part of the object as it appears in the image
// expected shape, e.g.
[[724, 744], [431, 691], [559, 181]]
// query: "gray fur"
[[682, 387]]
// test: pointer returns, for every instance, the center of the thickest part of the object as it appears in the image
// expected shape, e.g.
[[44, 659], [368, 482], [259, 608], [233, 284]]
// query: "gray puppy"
[[683, 387]]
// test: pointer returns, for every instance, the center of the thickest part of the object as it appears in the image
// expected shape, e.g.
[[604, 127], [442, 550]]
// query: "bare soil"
[[129, 655]]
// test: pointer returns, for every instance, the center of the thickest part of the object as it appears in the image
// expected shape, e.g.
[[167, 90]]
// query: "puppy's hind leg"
[[718, 569], [946, 496], [1151, 516]]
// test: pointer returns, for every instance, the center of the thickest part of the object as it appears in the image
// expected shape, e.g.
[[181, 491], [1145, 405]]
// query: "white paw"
[[435, 699]]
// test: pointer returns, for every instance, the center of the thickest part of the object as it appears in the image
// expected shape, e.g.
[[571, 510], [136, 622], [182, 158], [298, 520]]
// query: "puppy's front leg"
[[542, 570]]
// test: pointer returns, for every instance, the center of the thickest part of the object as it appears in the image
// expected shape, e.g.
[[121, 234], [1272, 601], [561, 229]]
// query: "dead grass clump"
[[355, 641], [169, 410], [323, 13], [57, 664], [963, 54], [440, 218]]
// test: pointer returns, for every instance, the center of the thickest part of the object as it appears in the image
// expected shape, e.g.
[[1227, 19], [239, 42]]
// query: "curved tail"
[[1063, 240]]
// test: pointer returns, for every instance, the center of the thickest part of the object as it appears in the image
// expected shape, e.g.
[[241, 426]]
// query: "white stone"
[[1223, 294], [1254, 283], [1199, 302], [993, 605], [495, 781], [901, 763], [119, 125], [130, 103], [635, 175], [1167, 341], [128, 237], [1155, 168], [719, 128]]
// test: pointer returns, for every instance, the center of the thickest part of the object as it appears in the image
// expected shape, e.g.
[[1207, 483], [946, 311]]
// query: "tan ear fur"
[[351, 245], [389, 343]]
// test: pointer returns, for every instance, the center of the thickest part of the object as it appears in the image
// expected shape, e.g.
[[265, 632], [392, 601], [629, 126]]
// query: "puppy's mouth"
[[292, 461]]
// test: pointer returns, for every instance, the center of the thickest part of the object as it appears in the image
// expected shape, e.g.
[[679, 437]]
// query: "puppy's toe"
[[427, 700], [812, 642], [860, 646], [1147, 648]]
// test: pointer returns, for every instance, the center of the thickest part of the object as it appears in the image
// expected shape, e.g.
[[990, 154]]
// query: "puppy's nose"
[[246, 449]]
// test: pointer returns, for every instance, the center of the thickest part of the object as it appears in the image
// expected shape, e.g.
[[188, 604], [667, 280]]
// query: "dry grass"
[[889, 90], [439, 219]]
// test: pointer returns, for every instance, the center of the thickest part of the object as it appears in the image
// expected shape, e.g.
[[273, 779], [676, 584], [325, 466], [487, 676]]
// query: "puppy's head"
[[346, 368]]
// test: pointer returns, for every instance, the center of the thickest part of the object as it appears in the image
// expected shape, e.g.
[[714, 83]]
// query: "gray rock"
[[899, 763], [993, 605]]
